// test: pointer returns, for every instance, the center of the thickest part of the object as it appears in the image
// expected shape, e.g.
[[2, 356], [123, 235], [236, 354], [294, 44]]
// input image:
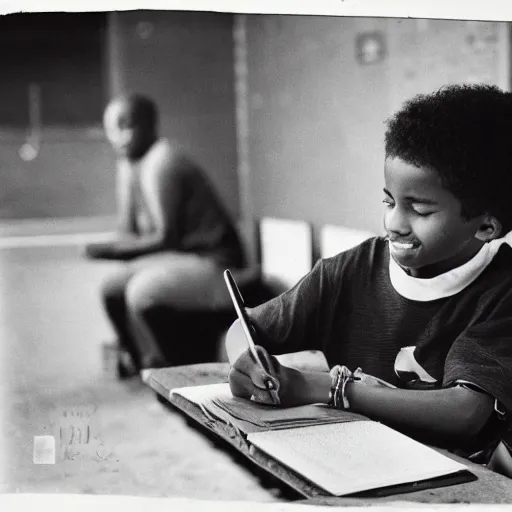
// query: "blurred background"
[[286, 115], [285, 112]]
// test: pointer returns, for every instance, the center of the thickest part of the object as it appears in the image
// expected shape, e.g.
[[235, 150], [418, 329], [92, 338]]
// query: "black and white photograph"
[[255, 258]]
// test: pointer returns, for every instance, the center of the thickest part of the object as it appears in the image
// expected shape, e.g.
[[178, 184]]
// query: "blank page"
[[356, 456], [199, 394]]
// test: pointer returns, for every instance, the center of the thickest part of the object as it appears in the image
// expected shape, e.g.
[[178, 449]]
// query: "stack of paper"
[[216, 400]]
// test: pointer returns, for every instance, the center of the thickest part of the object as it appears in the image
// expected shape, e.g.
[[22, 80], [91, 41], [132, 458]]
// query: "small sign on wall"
[[370, 48]]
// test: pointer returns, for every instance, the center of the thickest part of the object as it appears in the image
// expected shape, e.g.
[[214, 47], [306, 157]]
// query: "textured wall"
[[315, 106], [61, 56], [73, 176], [184, 61]]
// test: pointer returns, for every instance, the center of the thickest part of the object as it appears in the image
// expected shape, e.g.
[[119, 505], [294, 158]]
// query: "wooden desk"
[[489, 488]]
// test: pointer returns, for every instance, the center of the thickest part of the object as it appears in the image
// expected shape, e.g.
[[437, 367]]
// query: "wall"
[[315, 107], [184, 61], [310, 115], [72, 176]]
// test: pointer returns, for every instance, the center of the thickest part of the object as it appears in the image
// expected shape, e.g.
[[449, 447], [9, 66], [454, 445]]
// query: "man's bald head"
[[131, 124]]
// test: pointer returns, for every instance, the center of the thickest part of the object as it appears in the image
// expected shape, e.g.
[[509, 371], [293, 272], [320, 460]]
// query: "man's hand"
[[248, 380], [100, 251]]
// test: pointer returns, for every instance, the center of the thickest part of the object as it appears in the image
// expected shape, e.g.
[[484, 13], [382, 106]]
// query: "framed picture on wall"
[[370, 47]]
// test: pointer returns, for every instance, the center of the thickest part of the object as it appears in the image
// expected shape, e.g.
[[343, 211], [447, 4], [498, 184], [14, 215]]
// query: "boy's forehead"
[[409, 179]]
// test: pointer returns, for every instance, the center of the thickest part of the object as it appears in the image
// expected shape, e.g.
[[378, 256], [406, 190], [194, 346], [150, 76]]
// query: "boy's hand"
[[248, 380]]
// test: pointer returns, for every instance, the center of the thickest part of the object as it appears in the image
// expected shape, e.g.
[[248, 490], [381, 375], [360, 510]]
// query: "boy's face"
[[122, 130], [428, 236]]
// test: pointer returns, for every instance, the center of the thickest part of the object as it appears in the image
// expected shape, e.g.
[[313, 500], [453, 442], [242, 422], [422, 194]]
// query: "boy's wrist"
[[351, 393], [306, 387], [291, 385], [341, 378]]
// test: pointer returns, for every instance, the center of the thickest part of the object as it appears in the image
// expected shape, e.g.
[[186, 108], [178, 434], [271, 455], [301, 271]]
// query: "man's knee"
[[142, 293], [182, 288], [112, 290]]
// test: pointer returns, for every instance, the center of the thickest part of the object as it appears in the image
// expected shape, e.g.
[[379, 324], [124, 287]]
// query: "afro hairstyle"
[[464, 133]]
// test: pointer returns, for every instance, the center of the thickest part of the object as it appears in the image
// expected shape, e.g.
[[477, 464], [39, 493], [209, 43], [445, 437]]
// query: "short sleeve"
[[482, 354], [292, 321]]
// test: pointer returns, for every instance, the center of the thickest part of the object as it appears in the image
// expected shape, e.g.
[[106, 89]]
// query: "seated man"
[[176, 235]]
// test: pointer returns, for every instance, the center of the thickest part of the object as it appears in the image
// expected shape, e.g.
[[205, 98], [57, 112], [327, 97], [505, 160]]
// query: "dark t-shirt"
[[347, 307], [202, 224]]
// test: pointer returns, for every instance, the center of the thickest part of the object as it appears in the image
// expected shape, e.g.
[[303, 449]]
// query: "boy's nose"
[[396, 222]]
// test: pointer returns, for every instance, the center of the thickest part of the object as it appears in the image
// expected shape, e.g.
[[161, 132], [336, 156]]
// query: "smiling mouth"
[[402, 246]]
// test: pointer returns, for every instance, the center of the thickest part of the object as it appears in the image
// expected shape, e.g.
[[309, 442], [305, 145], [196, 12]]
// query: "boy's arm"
[[480, 355], [448, 413], [431, 415], [454, 412]]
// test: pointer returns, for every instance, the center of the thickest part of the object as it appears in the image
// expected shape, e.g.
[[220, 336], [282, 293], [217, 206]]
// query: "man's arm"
[[126, 224], [161, 189]]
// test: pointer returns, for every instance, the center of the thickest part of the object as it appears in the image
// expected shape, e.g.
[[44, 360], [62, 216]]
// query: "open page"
[[354, 456]]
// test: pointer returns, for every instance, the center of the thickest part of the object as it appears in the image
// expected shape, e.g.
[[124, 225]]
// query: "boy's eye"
[[421, 211]]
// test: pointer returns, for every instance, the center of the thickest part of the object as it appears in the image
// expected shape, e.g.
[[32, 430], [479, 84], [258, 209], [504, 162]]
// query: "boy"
[[427, 309], [176, 234]]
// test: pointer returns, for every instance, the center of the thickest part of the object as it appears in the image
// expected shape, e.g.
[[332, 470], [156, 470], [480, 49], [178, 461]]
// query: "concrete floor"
[[52, 379]]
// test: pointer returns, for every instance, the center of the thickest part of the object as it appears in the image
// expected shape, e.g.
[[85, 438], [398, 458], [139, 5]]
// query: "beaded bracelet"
[[340, 375], [335, 381]]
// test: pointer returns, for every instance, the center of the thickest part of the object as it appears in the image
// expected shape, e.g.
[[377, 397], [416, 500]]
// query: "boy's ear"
[[489, 229]]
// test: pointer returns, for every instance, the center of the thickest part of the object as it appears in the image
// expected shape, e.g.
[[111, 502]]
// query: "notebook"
[[338, 453]]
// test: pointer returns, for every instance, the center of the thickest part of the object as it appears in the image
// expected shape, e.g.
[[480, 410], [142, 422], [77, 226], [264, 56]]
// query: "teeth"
[[400, 245]]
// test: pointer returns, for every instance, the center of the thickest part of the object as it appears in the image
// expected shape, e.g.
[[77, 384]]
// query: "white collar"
[[449, 283]]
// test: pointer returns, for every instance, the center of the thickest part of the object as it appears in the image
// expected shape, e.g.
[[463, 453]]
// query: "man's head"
[[131, 125], [448, 176]]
